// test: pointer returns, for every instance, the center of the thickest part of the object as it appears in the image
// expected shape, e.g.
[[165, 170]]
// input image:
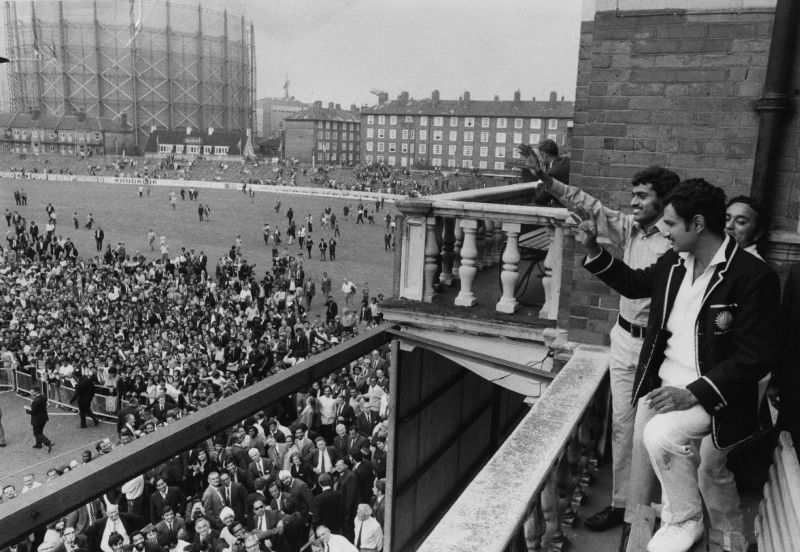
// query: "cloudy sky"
[[337, 50]]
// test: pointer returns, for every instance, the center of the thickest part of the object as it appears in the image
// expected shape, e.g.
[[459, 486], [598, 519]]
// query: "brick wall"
[[674, 90], [300, 140]]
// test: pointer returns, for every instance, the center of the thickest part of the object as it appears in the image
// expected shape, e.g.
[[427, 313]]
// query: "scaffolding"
[[164, 65]]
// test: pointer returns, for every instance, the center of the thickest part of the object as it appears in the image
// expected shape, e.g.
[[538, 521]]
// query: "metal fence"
[[105, 403]]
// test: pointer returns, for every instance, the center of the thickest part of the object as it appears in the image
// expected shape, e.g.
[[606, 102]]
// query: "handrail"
[[489, 514], [492, 195], [52, 501], [521, 214]]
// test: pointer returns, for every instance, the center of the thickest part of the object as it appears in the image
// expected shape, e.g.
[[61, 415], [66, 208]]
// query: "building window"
[[369, 146], [484, 151], [482, 164], [517, 137], [412, 148], [391, 160], [327, 134], [319, 156], [423, 121], [380, 159], [404, 147], [500, 138], [381, 133], [500, 151], [468, 151], [381, 119], [207, 150], [409, 119], [335, 135], [413, 133], [320, 124], [437, 149], [451, 150], [453, 135], [369, 159], [381, 146], [327, 124], [536, 124], [436, 162], [534, 138], [468, 135], [515, 154], [552, 124], [167, 148], [405, 134], [438, 121], [320, 134], [484, 137], [423, 134], [552, 137], [392, 134], [193, 150], [404, 161], [423, 149], [453, 121], [499, 166], [220, 150], [502, 122], [451, 163], [393, 120], [466, 164], [392, 147], [370, 133], [484, 122], [517, 123], [179, 148], [370, 119], [438, 135], [469, 122]]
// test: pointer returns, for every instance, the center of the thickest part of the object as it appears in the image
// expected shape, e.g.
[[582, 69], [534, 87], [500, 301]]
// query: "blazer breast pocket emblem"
[[724, 320]]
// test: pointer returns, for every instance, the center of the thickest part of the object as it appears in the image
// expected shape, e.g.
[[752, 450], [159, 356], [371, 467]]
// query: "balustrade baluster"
[[431, 260], [498, 242], [488, 244], [480, 245], [459, 233], [448, 243], [467, 270], [510, 275], [551, 282]]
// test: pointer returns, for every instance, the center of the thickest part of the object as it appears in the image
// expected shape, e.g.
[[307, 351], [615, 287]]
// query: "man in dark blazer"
[[235, 494], [365, 475], [712, 334], [784, 388], [343, 413], [84, 393], [347, 484], [300, 492], [83, 517], [167, 529], [366, 422], [39, 417], [165, 496], [162, 405], [330, 504]]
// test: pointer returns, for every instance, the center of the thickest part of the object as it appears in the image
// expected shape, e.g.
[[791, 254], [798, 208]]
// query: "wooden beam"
[[54, 500]]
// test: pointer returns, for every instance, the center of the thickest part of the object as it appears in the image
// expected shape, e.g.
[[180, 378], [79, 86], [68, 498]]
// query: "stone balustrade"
[[531, 487], [452, 238]]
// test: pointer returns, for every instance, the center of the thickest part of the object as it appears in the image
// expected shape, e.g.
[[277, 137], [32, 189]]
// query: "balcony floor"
[[598, 497], [487, 290]]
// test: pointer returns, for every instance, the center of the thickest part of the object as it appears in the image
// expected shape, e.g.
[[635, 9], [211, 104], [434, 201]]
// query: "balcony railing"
[[450, 239], [539, 475]]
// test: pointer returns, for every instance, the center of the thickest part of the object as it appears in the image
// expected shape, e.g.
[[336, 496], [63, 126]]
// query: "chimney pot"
[[435, 97], [318, 104], [330, 105], [553, 97], [517, 97], [466, 97], [338, 106]]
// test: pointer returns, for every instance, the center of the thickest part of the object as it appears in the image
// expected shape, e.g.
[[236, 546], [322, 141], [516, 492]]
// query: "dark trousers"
[[86, 410], [38, 433]]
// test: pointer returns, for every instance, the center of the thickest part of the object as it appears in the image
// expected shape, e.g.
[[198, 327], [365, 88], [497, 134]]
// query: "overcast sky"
[[337, 50]]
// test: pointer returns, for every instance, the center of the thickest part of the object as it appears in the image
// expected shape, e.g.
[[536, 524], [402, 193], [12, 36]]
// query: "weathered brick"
[[749, 89], [668, 146], [643, 74], [642, 89], [676, 90], [735, 133], [601, 60], [609, 102], [611, 75], [678, 61], [598, 88], [620, 172], [672, 117], [697, 104], [681, 31], [649, 131], [622, 144], [612, 47], [714, 147], [735, 104], [596, 116], [658, 46], [699, 75], [616, 130], [629, 116], [650, 103], [692, 146], [693, 131]]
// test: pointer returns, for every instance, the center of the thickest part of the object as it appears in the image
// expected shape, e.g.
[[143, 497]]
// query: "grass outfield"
[[360, 254]]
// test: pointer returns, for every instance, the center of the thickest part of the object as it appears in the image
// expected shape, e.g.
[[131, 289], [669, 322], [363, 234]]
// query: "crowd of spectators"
[[164, 338], [375, 178]]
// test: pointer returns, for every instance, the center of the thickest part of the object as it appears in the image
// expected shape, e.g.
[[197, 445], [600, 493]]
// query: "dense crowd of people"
[[375, 177], [163, 339]]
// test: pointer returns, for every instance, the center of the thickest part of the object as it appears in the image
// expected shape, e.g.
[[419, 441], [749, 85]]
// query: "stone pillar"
[[448, 245], [467, 270], [551, 282], [431, 260], [459, 234], [510, 275], [488, 244]]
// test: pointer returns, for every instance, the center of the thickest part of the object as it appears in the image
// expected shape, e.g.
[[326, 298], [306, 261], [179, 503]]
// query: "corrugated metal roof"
[[326, 114], [475, 108]]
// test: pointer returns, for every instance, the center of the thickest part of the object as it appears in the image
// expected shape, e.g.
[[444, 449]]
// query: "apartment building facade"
[[329, 135]]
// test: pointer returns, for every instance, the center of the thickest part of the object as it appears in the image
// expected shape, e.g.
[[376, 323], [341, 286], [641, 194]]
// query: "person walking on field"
[[84, 393], [39, 418]]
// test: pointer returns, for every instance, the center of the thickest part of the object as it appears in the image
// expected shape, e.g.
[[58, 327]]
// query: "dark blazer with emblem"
[[737, 333]]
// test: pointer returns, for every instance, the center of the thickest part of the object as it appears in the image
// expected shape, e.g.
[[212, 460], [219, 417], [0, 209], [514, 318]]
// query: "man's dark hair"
[[697, 197], [662, 180], [762, 223], [548, 146]]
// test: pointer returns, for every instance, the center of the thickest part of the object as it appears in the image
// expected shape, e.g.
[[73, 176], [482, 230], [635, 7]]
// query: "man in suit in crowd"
[[261, 467], [239, 475], [165, 496], [84, 393], [330, 504], [343, 413], [265, 524], [321, 459], [234, 494], [379, 504], [300, 492], [212, 499], [162, 404], [81, 518], [206, 538], [366, 422], [39, 417], [347, 484], [365, 475], [168, 528]]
